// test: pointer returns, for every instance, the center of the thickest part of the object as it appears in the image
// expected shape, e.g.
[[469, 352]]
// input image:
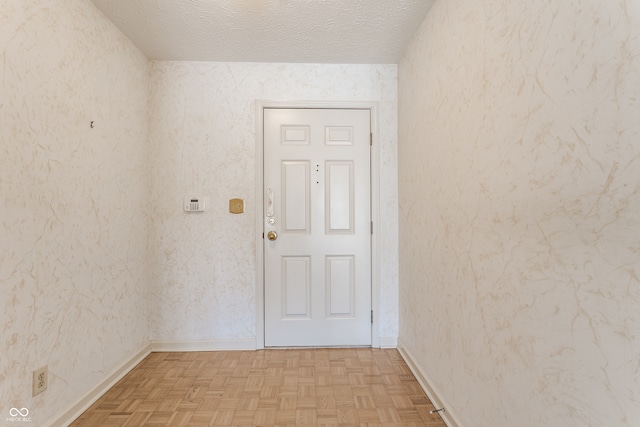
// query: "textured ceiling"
[[314, 31]]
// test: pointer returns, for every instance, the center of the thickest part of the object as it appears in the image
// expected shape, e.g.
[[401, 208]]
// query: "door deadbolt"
[[272, 235]]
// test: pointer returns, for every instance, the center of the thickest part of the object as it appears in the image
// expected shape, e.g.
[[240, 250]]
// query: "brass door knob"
[[272, 235]]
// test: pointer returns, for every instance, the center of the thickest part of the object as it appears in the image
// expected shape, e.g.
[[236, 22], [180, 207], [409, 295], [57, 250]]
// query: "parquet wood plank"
[[293, 388]]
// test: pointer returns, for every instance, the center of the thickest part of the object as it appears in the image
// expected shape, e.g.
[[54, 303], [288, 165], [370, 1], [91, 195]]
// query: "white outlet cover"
[[40, 380]]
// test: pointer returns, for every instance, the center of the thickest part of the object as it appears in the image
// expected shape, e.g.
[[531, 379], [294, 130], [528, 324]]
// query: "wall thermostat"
[[194, 204]]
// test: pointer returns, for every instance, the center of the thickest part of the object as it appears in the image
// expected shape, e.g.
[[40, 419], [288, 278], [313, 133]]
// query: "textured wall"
[[202, 131], [519, 160], [73, 201]]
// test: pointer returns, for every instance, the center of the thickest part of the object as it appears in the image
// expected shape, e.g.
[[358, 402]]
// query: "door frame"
[[373, 107]]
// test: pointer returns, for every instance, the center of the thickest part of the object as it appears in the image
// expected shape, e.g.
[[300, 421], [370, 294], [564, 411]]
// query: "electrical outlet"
[[40, 380]]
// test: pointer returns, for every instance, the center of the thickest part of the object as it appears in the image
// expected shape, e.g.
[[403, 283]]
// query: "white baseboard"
[[203, 345], [436, 398], [82, 404], [388, 342]]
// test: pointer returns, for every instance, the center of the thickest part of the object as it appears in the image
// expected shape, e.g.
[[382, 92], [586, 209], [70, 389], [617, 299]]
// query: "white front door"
[[317, 227]]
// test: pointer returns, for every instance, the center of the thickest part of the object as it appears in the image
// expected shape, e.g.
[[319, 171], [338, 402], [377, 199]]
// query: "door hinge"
[[371, 227], [262, 236], [372, 316], [370, 138]]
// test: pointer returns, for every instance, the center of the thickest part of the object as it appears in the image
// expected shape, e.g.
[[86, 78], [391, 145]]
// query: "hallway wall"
[[202, 132], [73, 201], [519, 172]]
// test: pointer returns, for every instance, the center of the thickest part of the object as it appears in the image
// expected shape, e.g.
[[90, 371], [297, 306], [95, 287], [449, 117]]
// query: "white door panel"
[[295, 196], [296, 287], [318, 270], [339, 200]]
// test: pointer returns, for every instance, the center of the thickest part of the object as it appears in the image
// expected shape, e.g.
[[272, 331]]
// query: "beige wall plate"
[[236, 206]]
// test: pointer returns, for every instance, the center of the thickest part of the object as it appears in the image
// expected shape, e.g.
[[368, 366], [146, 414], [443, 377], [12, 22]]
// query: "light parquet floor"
[[298, 387]]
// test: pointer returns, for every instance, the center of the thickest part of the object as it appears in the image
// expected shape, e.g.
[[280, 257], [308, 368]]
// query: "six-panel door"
[[318, 201]]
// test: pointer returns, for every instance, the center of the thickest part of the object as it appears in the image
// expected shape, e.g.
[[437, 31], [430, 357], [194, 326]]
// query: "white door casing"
[[317, 198]]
